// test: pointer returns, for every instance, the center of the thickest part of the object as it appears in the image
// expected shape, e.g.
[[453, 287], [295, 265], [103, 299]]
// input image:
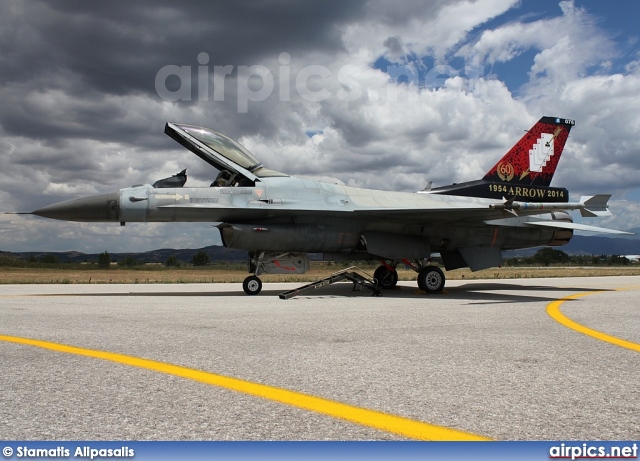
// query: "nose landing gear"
[[265, 262], [252, 285]]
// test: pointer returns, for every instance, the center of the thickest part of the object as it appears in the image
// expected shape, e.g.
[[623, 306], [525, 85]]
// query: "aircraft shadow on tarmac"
[[493, 293], [475, 293]]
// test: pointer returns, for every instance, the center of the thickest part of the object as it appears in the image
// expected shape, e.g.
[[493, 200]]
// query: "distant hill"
[[582, 245], [603, 245], [215, 253], [579, 245]]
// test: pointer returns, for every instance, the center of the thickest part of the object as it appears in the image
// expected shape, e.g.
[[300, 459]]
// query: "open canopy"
[[219, 150]]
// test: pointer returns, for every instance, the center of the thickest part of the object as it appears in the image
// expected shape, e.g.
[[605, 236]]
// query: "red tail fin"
[[533, 160]]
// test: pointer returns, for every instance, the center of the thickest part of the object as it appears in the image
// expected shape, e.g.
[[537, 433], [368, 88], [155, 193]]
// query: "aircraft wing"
[[462, 213], [265, 212]]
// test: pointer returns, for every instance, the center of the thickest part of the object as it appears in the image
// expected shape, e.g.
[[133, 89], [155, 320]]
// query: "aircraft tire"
[[386, 278], [252, 285], [431, 279]]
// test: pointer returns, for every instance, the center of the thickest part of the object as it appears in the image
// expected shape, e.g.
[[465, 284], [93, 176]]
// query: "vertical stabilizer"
[[533, 160]]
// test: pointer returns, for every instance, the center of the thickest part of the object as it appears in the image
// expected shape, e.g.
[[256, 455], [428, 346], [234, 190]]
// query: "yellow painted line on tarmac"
[[553, 309], [382, 421]]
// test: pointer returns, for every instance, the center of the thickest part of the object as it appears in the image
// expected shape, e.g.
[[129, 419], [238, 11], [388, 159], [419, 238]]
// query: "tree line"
[[551, 257], [104, 261], [544, 257], [199, 259]]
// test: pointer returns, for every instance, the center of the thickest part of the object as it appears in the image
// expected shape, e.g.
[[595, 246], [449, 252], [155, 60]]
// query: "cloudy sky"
[[379, 94]]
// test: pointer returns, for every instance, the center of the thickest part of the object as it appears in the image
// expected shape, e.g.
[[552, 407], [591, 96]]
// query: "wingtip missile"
[[589, 206]]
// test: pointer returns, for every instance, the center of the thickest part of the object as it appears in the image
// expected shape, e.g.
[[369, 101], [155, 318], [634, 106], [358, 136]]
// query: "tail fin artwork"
[[534, 159], [525, 172]]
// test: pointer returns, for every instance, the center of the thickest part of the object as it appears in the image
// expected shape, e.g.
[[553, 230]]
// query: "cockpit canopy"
[[221, 152]]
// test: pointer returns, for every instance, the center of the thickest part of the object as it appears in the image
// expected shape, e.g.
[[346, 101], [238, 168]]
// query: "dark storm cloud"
[[118, 46], [90, 51]]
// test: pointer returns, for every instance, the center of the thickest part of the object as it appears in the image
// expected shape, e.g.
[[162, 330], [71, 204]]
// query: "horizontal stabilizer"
[[526, 221], [579, 227], [595, 206]]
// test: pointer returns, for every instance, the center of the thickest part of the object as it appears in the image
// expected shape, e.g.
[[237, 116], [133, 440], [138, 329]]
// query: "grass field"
[[12, 275]]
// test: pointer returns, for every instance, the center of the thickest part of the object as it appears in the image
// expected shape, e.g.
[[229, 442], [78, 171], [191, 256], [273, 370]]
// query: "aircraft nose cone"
[[100, 208]]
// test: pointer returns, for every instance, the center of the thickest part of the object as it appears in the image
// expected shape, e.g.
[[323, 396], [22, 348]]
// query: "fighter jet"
[[278, 219]]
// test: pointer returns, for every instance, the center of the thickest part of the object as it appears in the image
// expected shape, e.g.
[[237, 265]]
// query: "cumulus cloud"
[[82, 113], [421, 27]]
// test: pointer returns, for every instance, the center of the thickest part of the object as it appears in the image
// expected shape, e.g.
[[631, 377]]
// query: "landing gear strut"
[[386, 276], [265, 262]]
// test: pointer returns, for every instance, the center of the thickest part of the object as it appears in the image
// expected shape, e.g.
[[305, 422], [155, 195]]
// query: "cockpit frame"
[[221, 152]]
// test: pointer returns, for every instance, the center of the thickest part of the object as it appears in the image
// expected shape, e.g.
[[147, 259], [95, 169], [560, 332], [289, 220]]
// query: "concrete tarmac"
[[483, 358]]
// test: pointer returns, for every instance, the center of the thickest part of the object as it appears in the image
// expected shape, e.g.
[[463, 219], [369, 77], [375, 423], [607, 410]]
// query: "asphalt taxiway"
[[501, 359]]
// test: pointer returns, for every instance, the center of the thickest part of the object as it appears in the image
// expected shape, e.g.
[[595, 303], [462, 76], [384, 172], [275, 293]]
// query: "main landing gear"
[[386, 276], [430, 278]]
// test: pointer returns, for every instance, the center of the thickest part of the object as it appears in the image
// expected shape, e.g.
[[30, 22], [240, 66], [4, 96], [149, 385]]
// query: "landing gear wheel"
[[252, 285], [431, 279], [386, 278]]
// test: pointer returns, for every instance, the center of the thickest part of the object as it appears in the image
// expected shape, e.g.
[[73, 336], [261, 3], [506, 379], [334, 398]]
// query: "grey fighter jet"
[[279, 218]]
